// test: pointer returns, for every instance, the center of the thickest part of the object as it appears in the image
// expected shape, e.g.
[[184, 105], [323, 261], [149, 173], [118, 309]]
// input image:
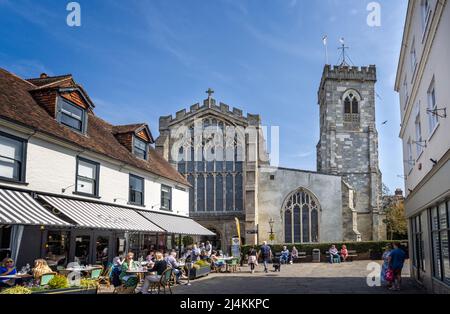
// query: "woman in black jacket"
[[159, 267]]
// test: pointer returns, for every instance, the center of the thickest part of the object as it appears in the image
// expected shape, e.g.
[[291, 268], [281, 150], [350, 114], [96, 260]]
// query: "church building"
[[341, 201]]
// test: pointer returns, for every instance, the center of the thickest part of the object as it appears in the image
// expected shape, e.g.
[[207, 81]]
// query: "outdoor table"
[[16, 276]]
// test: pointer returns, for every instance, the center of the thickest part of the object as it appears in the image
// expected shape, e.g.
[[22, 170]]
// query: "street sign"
[[252, 232]]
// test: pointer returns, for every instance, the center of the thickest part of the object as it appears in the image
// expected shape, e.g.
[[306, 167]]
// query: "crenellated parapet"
[[208, 104]]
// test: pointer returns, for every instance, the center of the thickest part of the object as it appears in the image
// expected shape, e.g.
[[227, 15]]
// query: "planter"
[[74, 290], [200, 272]]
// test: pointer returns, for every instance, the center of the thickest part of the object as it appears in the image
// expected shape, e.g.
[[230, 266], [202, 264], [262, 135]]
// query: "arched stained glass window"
[[217, 173], [288, 226], [301, 218]]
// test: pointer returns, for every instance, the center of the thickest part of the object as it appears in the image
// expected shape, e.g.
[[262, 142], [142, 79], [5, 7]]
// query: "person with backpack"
[[266, 254]]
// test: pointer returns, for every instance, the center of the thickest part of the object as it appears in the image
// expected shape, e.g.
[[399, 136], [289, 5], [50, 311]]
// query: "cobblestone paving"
[[297, 279]]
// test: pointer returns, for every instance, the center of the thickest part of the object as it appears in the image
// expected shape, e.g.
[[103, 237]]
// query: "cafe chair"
[[96, 273], [164, 282], [105, 277], [45, 279]]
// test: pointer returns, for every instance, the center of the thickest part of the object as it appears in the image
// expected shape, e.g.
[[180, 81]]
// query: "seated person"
[[216, 261], [159, 267], [7, 268], [171, 261], [150, 256], [40, 268], [294, 254], [128, 264], [344, 253], [284, 258], [334, 253]]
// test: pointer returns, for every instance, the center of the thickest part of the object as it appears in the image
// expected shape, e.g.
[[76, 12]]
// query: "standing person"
[[208, 248], [385, 266], [344, 253], [266, 253], [252, 259], [396, 260], [195, 254]]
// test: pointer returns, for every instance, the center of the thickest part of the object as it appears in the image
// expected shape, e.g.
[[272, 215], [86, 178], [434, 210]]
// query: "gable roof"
[[17, 105]]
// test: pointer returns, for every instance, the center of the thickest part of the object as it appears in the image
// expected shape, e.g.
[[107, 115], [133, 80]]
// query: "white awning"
[[101, 216], [177, 224], [19, 208]]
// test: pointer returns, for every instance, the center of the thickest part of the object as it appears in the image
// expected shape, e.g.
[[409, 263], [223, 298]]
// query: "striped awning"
[[177, 224], [19, 208], [101, 216]]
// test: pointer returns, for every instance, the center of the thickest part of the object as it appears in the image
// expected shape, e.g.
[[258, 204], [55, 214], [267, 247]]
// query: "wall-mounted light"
[[63, 190], [434, 161]]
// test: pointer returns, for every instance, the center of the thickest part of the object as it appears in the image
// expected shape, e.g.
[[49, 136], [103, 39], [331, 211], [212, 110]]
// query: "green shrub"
[[201, 263], [58, 282], [89, 283], [373, 247], [16, 290]]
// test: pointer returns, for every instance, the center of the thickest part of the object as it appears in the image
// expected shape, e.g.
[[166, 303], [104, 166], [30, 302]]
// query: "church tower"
[[348, 144]]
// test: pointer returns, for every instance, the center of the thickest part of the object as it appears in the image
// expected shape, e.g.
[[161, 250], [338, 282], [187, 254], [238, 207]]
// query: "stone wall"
[[348, 148], [273, 193]]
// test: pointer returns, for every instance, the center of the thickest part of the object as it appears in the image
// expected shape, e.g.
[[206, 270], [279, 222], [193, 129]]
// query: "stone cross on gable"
[[209, 92]]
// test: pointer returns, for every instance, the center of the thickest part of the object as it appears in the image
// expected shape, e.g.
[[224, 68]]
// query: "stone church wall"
[[273, 193]]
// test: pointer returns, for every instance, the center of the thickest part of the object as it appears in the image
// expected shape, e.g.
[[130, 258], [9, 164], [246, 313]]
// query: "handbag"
[[389, 275]]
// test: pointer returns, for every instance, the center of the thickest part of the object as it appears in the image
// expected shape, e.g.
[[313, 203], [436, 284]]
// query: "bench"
[[351, 254], [301, 255]]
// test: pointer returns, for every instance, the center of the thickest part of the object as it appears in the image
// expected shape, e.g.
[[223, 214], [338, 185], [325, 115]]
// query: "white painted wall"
[[437, 66], [51, 167]]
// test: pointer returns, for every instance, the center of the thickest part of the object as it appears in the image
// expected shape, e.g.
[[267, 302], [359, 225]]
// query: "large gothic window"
[[217, 179], [351, 107], [301, 218]]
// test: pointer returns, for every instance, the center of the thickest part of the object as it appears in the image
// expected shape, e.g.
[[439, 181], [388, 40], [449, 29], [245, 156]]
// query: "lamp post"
[[271, 223]]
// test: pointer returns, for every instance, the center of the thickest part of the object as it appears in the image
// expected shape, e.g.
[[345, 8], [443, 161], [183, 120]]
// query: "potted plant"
[[199, 269]]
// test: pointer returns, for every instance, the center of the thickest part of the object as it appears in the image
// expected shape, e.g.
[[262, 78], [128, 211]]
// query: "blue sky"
[[140, 59]]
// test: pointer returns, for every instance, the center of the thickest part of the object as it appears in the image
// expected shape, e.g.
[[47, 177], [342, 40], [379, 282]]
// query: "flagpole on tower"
[[325, 43]]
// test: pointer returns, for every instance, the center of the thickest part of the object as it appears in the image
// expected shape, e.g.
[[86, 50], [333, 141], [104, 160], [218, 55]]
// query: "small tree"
[[188, 240], [396, 222]]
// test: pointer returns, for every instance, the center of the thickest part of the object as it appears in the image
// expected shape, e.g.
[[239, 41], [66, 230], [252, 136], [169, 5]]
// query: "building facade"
[[96, 189], [341, 201], [422, 82], [224, 184], [348, 144]]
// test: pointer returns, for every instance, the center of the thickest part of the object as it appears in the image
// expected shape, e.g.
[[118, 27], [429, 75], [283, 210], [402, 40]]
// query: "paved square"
[[297, 279]]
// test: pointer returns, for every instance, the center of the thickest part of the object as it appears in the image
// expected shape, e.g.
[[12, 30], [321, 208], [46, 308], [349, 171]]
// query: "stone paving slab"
[[345, 278]]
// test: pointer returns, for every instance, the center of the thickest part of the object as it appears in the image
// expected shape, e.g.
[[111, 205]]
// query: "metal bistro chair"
[[45, 279], [164, 281], [96, 273], [105, 277]]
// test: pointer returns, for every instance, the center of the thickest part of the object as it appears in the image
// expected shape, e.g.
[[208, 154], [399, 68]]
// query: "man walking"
[[266, 253], [396, 260]]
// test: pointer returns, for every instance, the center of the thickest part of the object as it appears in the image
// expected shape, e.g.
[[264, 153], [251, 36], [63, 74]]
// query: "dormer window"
[[140, 148], [72, 116]]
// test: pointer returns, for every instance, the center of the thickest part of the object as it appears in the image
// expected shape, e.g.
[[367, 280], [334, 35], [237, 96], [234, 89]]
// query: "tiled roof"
[[17, 105], [120, 129], [48, 80]]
